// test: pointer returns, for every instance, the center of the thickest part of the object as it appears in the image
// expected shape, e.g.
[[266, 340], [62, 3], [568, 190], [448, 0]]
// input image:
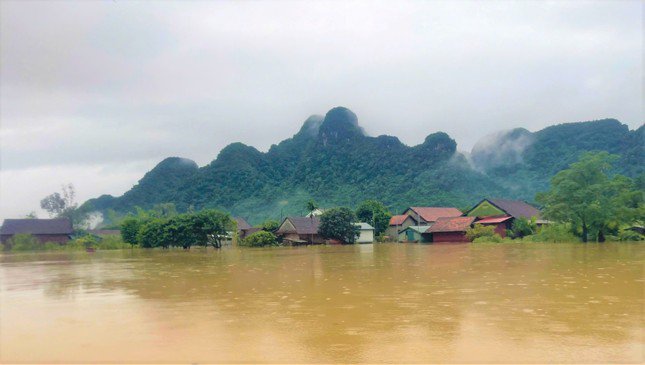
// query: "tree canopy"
[[375, 213], [339, 224]]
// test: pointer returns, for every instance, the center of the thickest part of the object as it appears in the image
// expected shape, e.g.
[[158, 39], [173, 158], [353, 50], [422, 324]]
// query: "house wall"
[[447, 237], [485, 209], [366, 236], [43, 238]]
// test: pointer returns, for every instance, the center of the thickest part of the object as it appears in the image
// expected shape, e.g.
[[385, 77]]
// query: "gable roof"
[[302, 225], [452, 224], [431, 214], [515, 208], [397, 220], [241, 223], [37, 226]]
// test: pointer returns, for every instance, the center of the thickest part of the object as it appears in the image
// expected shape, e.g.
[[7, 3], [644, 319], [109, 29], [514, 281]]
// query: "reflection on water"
[[362, 303]]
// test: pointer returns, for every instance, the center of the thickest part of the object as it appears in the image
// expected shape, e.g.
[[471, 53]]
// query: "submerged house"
[[398, 223], [427, 215], [300, 230], [500, 213], [415, 234], [451, 229], [366, 233], [45, 230], [244, 229]]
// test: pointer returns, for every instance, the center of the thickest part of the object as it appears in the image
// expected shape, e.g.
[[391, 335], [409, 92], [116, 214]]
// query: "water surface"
[[362, 303]]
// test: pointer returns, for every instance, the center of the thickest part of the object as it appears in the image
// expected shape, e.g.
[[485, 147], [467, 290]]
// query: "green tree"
[[592, 202], [479, 231], [338, 224], [153, 234], [260, 239], [212, 226], [375, 213], [311, 205], [130, 229], [270, 225], [523, 227]]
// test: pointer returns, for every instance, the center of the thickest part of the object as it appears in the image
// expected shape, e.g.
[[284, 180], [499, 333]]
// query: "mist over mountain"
[[332, 161]]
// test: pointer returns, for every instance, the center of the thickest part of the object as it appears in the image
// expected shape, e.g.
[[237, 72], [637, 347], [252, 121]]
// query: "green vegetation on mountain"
[[332, 162]]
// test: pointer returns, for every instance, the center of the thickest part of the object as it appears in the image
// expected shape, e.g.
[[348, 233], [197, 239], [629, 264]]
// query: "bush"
[[112, 243], [260, 239], [629, 235], [480, 230], [270, 225], [495, 238], [556, 233], [24, 242]]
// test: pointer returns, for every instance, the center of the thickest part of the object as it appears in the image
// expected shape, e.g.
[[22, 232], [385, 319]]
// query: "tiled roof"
[[304, 225], [37, 226], [241, 223], [494, 220], [516, 208], [431, 214], [397, 220], [451, 224]]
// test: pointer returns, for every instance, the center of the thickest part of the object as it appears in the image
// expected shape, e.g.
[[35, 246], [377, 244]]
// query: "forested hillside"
[[332, 161]]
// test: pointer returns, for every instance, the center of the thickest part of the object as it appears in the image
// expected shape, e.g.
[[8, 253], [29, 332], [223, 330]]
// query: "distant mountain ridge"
[[332, 161]]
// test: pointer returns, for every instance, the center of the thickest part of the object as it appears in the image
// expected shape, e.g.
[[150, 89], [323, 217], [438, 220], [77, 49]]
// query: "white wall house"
[[366, 233]]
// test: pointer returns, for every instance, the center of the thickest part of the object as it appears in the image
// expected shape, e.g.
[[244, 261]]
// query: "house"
[[366, 233], [398, 223], [450, 229], [45, 230], [428, 215], [500, 207], [415, 234], [244, 229], [500, 223], [300, 230]]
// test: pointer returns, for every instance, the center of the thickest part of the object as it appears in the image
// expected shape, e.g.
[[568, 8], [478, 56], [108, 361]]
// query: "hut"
[[398, 223], [300, 230], [415, 234], [366, 233]]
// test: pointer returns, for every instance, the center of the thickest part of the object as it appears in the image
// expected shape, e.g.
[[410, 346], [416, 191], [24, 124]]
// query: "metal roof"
[[302, 225], [494, 220], [364, 226], [419, 229]]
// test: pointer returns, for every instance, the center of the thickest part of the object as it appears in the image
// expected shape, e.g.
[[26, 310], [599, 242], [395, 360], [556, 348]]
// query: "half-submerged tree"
[[339, 224], [592, 201], [375, 213]]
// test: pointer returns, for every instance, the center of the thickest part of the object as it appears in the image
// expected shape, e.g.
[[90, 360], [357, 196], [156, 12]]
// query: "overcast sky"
[[96, 93]]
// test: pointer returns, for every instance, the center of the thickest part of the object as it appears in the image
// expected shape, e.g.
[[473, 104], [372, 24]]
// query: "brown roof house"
[[399, 223], [428, 215], [300, 231], [244, 229], [45, 230], [451, 229]]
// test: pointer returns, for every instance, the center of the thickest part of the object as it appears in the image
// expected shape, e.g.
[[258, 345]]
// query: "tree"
[[270, 225], [64, 206], [592, 202], [338, 224], [31, 215], [130, 229], [311, 205], [212, 226], [480, 230], [260, 239], [153, 234], [375, 213], [523, 227]]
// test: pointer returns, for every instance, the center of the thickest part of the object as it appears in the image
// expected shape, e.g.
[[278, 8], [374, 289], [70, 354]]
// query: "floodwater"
[[364, 303]]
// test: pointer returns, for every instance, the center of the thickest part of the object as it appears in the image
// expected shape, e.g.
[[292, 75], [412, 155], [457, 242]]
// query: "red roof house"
[[501, 223], [450, 229]]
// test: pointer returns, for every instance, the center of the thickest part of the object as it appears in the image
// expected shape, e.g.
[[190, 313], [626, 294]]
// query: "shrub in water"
[[259, 239]]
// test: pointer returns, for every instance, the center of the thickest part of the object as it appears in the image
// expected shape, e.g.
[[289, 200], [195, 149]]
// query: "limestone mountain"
[[332, 161]]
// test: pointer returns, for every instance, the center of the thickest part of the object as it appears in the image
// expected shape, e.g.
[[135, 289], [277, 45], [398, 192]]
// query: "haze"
[[97, 93]]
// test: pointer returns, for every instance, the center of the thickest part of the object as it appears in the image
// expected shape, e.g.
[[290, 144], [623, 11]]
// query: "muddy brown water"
[[362, 303]]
